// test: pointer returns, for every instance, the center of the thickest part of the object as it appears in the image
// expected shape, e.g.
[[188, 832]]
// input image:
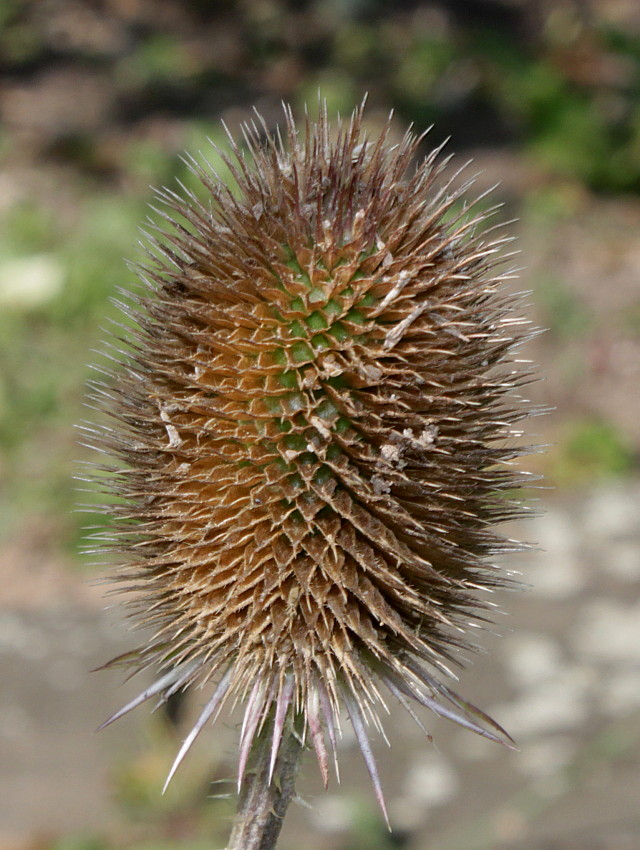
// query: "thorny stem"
[[263, 805]]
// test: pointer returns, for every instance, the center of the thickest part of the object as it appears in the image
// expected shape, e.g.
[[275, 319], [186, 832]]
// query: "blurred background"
[[98, 100]]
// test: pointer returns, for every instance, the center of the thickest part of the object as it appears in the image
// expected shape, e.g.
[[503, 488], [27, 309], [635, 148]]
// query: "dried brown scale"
[[314, 419]]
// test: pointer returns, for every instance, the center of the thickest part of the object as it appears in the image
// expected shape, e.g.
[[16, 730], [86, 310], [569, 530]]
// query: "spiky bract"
[[314, 417]]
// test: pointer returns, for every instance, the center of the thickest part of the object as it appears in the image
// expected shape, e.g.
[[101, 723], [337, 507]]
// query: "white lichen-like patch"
[[380, 485], [390, 453], [175, 440]]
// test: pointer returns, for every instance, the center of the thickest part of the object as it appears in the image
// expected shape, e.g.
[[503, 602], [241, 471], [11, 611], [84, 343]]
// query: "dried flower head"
[[314, 434]]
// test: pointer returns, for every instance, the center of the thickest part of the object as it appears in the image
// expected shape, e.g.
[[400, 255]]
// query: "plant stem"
[[263, 805]]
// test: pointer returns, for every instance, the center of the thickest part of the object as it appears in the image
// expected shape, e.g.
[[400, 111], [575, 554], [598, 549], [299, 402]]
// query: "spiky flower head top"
[[314, 417]]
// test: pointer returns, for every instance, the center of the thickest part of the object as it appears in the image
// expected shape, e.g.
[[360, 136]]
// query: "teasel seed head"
[[315, 436]]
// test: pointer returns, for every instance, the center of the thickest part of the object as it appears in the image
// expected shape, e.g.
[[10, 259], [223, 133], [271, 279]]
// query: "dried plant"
[[315, 422]]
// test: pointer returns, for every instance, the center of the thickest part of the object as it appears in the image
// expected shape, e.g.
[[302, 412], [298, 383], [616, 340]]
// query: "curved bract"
[[315, 423]]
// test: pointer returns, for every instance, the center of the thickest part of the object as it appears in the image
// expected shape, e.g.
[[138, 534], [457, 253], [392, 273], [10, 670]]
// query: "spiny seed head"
[[314, 435]]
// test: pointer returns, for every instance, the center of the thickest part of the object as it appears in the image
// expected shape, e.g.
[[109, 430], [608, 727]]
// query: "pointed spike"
[[467, 707], [210, 708], [282, 704], [404, 702], [357, 721], [327, 710], [252, 713], [170, 691], [315, 727], [477, 712], [460, 719], [152, 690], [443, 711]]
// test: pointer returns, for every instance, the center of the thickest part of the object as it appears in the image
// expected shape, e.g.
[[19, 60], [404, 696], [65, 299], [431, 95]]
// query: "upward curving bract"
[[314, 429]]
